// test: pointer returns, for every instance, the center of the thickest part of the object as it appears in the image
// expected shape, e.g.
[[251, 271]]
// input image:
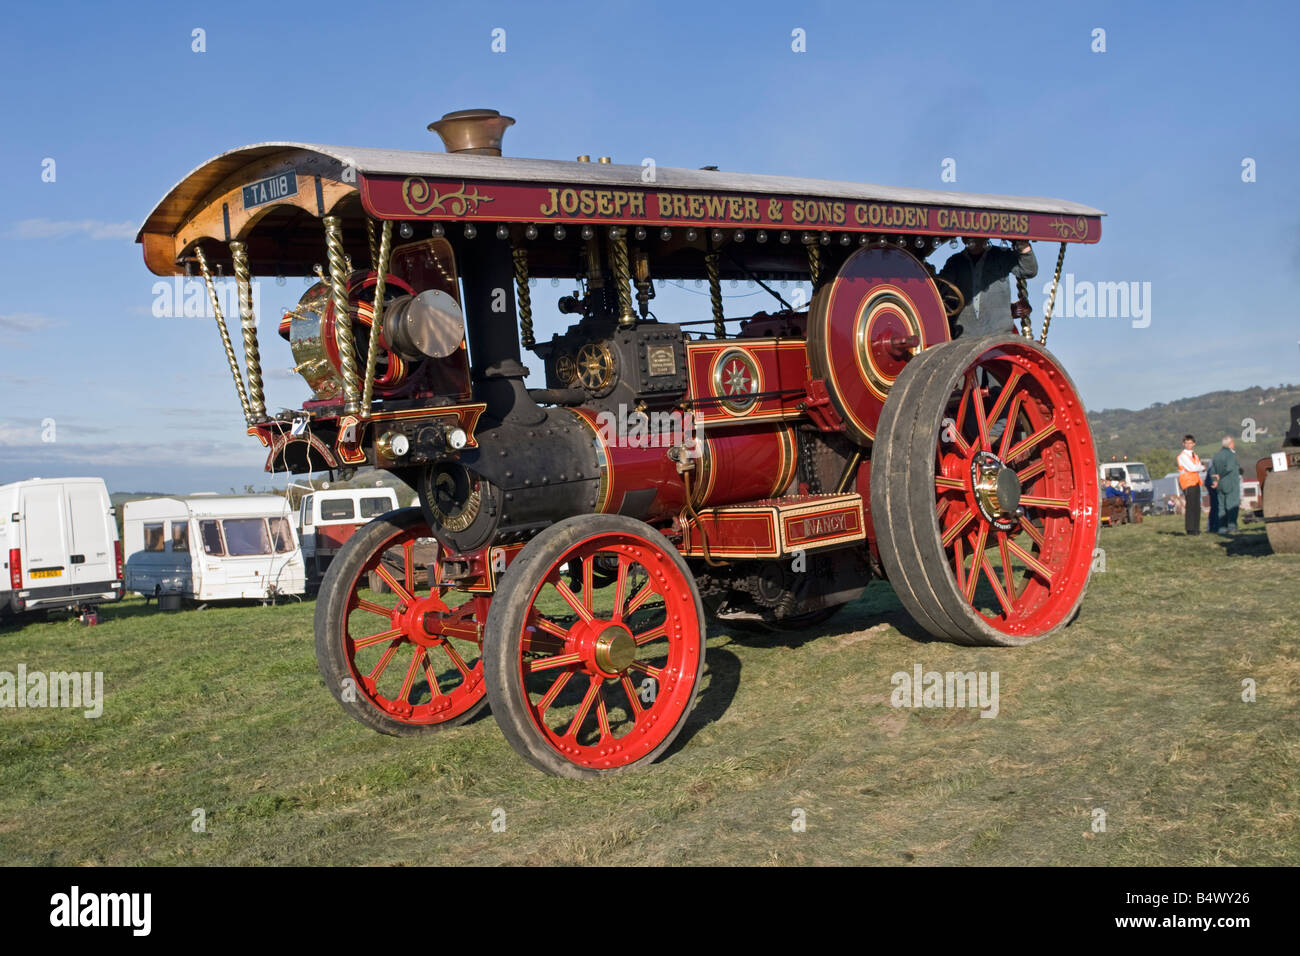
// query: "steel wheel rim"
[[1036, 567], [587, 708], [423, 664]]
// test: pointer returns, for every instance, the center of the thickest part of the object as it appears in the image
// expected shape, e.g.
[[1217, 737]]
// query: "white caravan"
[[212, 548], [326, 519], [58, 541]]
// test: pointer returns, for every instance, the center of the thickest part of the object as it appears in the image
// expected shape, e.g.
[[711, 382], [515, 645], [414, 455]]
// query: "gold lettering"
[[552, 210]]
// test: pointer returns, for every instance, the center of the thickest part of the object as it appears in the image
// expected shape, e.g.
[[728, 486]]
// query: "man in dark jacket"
[[1228, 488], [980, 272]]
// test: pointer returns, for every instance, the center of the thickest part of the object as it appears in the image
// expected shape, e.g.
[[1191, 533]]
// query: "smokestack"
[[472, 131]]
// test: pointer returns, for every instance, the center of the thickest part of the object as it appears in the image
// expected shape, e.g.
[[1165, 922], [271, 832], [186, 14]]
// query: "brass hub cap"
[[615, 650], [997, 490]]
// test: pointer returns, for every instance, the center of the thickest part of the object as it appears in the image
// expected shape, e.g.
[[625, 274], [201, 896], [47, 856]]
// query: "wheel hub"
[[422, 621], [614, 649], [997, 490]]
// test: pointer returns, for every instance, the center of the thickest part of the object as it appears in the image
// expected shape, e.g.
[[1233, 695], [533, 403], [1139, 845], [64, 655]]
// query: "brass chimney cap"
[[472, 131]]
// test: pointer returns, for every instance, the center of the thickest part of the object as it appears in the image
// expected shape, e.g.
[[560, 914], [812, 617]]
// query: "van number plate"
[[46, 573]]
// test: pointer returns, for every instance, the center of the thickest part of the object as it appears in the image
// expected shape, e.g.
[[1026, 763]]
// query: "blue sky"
[[1153, 131]]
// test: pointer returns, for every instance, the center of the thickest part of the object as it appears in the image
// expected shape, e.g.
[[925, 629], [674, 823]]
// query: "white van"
[[212, 548], [1135, 475], [327, 518], [58, 541]]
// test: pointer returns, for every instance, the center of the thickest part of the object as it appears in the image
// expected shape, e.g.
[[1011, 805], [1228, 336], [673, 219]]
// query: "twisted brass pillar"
[[225, 333], [377, 322], [342, 320]]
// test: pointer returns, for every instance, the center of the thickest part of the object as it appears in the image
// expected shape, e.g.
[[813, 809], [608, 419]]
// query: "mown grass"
[[1136, 710]]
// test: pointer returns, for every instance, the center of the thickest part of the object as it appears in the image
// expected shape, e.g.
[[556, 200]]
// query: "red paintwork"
[[782, 366], [418, 197]]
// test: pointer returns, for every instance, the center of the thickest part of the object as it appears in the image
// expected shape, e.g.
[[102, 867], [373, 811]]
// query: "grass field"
[[1136, 710]]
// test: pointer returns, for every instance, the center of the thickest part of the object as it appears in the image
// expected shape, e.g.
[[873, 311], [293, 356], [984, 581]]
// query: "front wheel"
[[586, 679], [406, 660]]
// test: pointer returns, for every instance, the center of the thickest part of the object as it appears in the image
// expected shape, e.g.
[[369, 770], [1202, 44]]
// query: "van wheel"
[[408, 661]]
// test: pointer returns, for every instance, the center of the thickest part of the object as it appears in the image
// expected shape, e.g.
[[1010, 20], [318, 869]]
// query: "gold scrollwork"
[[421, 198], [1071, 230]]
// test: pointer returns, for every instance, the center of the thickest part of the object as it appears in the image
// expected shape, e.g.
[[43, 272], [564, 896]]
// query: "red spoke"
[[957, 438], [645, 637], [572, 600], [1031, 471], [584, 708], [1007, 389], [949, 484], [997, 587], [1013, 412], [602, 718], [553, 693], [383, 661], [549, 663], [408, 565], [588, 579], [456, 659], [541, 622], [646, 669], [434, 687], [1031, 562], [632, 697], [391, 581], [1006, 566], [1034, 501], [379, 638], [1030, 442], [1034, 533], [412, 669], [981, 422], [641, 597], [619, 588], [959, 555], [977, 555], [373, 608], [954, 530]]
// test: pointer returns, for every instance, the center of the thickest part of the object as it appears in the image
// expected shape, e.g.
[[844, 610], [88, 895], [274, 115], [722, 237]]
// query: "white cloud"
[[25, 322], [61, 228]]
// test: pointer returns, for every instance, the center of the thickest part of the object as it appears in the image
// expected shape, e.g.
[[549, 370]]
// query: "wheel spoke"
[[619, 588], [543, 623], [456, 659], [1030, 442], [391, 581], [997, 587], [1030, 472], [981, 423], [404, 695], [959, 556], [408, 565], [373, 608], [572, 600], [584, 708], [957, 438], [646, 669], [550, 663], [1035, 535], [588, 578], [553, 693], [1031, 562], [1036, 501], [1008, 388], [942, 484], [602, 718], [434, 687], [1006, 566], [641, 597], [1013, 412], [383, 661], [632, 697], [977, 555], [645, 637], [955, 529], [379, 638]]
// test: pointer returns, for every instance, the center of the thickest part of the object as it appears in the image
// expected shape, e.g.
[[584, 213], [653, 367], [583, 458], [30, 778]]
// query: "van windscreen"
[[246, 536], [375, 506], [1138, 473], [336, 509]]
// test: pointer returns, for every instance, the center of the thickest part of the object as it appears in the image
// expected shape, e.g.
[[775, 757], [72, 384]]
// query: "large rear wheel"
[[1282, 511], [592, 673], [407, 661], [984, 489]]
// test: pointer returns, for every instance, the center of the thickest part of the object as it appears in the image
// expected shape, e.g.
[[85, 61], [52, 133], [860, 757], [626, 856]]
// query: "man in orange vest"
[[1189, 479]]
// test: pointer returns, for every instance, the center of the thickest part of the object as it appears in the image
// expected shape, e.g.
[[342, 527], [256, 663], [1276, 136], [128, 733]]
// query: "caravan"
[[58, 541], [327, 518], [212, 548]]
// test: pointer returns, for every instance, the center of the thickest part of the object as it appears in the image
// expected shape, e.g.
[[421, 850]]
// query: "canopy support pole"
[[248, 324], [225, 333], [377, 323], [342, 319], [1051, 297], [622, 276]]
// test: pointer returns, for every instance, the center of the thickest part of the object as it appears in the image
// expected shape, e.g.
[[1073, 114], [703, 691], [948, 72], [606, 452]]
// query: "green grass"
[[1136, 709]]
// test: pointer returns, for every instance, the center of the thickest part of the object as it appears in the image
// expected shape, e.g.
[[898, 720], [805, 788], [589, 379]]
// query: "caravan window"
[[153, 537], [211, 532], [375, 506], [246, 536], [180, 536], [337, 509], [281, 536]]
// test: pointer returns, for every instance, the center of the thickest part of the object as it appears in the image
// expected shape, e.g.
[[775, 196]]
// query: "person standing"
[[1189, 479], [1228, 486], [980, 272], [1211, 483]]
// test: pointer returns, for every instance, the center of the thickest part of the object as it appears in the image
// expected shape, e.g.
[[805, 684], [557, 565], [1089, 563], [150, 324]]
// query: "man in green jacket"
[[1224, 465]]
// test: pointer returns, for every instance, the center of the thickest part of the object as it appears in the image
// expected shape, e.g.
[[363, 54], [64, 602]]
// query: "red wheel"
[[594, 646], [986, 475], [407, 661]]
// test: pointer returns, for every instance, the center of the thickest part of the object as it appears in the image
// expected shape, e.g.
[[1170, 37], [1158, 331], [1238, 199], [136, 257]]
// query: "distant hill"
[[1154, 435]]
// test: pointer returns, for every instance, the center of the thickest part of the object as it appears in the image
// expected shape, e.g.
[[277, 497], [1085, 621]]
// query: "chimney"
[[472, 131]]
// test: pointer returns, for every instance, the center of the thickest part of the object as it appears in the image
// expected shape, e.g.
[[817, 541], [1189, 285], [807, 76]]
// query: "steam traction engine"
[[570, 538]]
